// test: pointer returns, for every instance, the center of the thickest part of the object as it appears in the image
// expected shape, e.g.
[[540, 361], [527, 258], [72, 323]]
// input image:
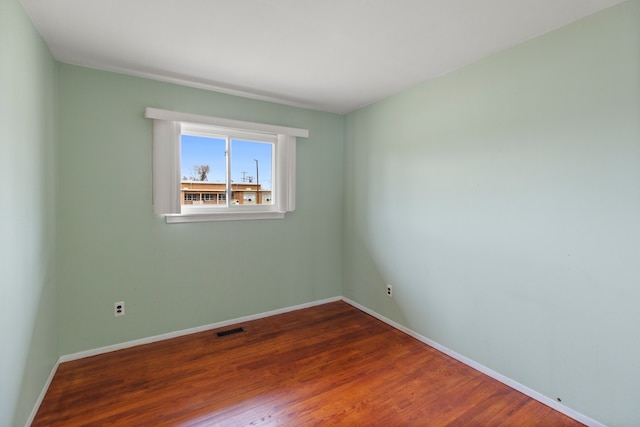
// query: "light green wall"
[[28, 325], [502, 202], [175, 276]]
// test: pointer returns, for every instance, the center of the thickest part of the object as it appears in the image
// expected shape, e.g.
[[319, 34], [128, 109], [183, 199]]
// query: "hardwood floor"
[[331, 364]]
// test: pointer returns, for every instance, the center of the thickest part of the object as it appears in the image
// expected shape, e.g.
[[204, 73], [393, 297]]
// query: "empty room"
[[297, 212]]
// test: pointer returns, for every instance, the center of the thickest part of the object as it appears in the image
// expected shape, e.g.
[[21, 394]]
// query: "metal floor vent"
[[229, 332]]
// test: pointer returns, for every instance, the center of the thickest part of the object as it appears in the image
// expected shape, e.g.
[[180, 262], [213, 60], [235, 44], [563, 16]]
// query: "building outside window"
[[214, 193], [191, 197]]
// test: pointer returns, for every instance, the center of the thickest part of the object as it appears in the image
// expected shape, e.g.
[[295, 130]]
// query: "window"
[[210, 169], [226, 161]]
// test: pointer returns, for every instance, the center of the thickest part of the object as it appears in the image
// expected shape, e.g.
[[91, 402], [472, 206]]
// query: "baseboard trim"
[[161, 337], [479, 367], [43, 393], [169, 335], [475, 365]]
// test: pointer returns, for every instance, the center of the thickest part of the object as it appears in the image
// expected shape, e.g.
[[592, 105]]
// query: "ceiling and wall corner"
[[333, 55]]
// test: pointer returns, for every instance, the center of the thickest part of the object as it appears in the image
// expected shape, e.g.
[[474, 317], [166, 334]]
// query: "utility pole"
[[258, 198]]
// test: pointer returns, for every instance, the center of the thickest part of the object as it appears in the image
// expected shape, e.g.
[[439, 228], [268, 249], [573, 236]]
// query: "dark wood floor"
[[330, 364]]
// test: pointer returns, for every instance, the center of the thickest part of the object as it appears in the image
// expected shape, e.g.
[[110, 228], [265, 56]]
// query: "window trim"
[[167, 128]]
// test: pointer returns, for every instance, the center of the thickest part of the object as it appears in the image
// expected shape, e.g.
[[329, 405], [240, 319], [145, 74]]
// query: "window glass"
[[251, 167], [203, 159], [205, 168]]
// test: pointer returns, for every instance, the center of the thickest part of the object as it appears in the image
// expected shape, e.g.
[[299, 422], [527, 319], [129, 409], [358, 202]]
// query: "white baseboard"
[[43, 393], [477, 366], [169, 335]]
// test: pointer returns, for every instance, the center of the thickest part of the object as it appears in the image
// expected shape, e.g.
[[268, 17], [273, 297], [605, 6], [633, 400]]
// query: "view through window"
[[219, 171]]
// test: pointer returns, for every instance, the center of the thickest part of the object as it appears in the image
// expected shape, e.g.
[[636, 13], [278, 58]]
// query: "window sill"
[[222, 216]]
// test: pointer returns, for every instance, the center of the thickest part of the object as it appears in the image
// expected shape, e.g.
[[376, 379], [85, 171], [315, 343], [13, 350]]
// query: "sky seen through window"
[[199, 150]]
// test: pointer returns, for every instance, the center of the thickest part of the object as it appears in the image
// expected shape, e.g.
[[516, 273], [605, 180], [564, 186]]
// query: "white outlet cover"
[[118, 308]]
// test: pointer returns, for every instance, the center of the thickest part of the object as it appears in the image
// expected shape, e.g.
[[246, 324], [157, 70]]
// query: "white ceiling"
[[329, 55]]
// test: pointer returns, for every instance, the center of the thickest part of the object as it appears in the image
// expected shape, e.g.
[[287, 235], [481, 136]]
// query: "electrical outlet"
[[389, 291], [118, 308]]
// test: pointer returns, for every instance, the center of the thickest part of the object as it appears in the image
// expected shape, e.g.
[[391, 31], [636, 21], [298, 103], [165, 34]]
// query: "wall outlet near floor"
[[389, 291], [118, 308]]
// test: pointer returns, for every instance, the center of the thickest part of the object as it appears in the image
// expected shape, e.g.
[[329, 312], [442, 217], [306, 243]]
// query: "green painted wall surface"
[[175, 276], [28, 325], [502, 202]]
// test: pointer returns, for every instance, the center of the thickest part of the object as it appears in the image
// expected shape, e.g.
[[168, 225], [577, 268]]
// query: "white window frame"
[[167, 129], [228, 135]]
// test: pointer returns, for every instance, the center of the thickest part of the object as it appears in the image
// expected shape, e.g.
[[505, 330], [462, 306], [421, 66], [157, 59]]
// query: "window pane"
[[203, 170], [200, 152], [251, 170]]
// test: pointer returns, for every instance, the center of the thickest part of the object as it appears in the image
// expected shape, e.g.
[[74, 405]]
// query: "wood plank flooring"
[[326, 365]]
